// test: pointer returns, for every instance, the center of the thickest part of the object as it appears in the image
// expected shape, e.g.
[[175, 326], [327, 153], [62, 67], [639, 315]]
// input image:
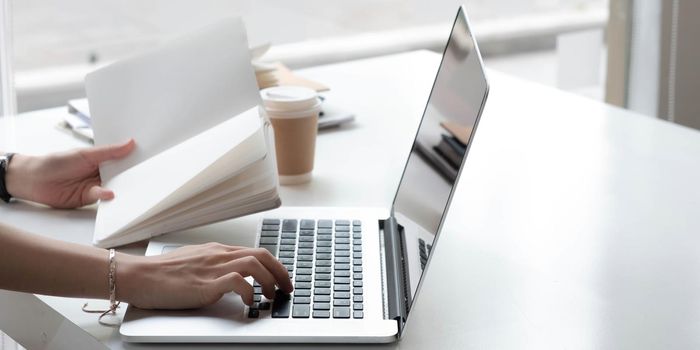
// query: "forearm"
[[34, 264]]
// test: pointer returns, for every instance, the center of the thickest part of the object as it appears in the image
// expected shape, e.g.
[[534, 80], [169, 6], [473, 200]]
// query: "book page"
[[172, 93]]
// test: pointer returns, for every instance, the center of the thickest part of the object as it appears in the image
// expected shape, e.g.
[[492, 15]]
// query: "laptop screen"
[[450, 117]]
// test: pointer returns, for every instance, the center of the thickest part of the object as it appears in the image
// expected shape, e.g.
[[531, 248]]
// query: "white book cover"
[[204, 147]]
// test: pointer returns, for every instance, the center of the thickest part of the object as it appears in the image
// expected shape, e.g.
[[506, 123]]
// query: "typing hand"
[[197, 276], [63, 180]]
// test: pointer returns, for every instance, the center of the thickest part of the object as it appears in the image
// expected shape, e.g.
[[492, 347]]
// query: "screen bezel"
[[461, 14]]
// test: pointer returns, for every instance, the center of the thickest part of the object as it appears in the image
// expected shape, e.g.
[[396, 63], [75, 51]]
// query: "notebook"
[[204, 150]]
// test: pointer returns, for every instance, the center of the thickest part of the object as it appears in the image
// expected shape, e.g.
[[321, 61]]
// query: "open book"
[[204, 147]]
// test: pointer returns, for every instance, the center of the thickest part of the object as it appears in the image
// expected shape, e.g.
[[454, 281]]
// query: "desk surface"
[[578, 221]]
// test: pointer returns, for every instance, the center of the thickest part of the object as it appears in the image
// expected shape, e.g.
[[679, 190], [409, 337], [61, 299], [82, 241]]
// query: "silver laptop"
[[356, 271]]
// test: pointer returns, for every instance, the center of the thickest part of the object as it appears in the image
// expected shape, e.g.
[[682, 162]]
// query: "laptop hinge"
[[396, 272]]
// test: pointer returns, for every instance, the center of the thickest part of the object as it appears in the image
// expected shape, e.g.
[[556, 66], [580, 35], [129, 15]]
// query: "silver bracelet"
[[113, 303]]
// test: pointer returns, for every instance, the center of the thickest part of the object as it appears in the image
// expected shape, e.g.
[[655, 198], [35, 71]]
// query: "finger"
[[276, 268], [103, 153], [278, 271], [250, 266], [96, 193], [236, 283]]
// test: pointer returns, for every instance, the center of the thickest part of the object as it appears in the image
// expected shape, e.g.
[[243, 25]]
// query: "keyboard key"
[[289, 225], [357, 306], [342, 235], [269, 234], [322, 306], [342, 229], [305, 251], [357, 298], [342, 247], [342, 222], [343, 261], [357, 262], [323, 256], [289, 235], [358, 314], [307, 224], [357, 269], [285, 248], [290, 274], [281, 305], [324, 244], [341, 312], [341, 302], [257, 298], [305, 264], [305, 258], [341, 280], [287, 261], [342, 241], [287, 254], [301, 271], [357, 235], [357, 276], [357, 248], [257, 290], [341, 273], [327, 250], [322, 291], [357, 241], [322, 298], [322, 284], [323, 263], [302, 300], [264, 306], [270, 227], [324, 269], [302, 292], [356, 229], [253, 313], [301, 311], [289, 267], [321, 314], [270, 248], [303, 278], [357, 255], [306, 244], [341, 295], [306, 239], [325, 223], [323, 277], [357, 283], [288, 241], [356, 223], [357, 291], [343, 253], [307, 233], [342, 266], [324, 238], [325, 231], [271, 221], [341, 288], [302, 285]]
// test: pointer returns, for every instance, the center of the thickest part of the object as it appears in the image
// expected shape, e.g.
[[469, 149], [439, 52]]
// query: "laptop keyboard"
[[324, 261]]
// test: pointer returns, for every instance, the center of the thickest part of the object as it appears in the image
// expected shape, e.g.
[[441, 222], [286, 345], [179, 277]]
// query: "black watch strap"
[[4, 163]]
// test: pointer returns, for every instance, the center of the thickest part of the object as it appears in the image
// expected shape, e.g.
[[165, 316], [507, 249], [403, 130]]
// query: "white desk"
[[579, 222]]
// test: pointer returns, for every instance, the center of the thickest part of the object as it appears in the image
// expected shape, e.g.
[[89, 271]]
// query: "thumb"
[[103, 153], [96, 193]]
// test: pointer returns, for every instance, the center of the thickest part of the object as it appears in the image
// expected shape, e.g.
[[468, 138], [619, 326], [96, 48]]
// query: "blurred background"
[[608, 50]]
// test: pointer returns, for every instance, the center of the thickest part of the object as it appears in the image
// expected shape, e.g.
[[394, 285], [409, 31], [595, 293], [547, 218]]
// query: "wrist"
[[130, 276], [19, 176]]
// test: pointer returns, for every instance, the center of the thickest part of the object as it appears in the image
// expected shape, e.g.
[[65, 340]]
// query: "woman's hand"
[[63, 180], [197, 276]]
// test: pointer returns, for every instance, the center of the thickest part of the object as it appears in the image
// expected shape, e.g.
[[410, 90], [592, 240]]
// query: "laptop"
[[356, 271]]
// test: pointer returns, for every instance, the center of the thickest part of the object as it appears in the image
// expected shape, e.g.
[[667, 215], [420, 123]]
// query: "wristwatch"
[[4, 163]]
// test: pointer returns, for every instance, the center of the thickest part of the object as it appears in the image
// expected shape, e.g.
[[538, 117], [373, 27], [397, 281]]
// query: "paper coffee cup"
[[293, 111]]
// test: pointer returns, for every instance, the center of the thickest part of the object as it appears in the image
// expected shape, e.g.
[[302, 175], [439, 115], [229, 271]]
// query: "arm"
[[188, 277]]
